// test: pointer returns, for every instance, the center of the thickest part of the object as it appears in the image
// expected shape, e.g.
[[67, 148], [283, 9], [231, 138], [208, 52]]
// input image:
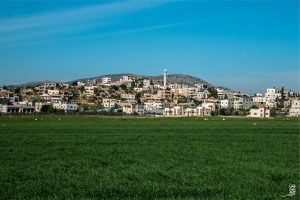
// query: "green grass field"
[[180, 158]]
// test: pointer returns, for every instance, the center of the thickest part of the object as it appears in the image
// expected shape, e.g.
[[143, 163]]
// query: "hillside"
[[33, 83], [172, 78]]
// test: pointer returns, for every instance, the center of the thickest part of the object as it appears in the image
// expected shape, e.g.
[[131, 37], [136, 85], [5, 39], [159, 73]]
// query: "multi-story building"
[[127, 78], [20, 107], [272, 95], [56, 98], [106, 80], [92, 81], [224, 94], [50, 85], [154, 105], [128, 96], [178, 111], [67, 107], [133, 109], [146, 82], [295, 108], [226, 103], [53, 92], [210, 103], [242, 101], [261, 112], [109, 103], [89, 90], [202, 94], [259, 99], [46, 98]]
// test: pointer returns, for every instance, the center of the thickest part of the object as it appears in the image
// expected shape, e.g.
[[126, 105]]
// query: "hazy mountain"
[[172, 78], [33, 83]]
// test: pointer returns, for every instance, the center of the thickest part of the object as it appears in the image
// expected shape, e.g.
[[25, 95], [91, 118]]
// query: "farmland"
[[159, 158]]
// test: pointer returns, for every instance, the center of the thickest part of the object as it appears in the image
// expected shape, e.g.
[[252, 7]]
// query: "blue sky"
[[244, 45]]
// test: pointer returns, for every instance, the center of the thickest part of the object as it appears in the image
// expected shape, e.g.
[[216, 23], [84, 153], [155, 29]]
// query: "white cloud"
[[33, 38], [27, 28], [75, 15], [150, 28]]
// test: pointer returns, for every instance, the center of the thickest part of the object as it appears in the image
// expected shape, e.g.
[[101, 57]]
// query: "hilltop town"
[[141, 95]]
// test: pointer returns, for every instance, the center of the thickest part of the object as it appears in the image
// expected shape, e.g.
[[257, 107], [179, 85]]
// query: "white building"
[[138, 89], [106, 80], [241, 101], [127, 108], [201, 111], [80, 83], [92, 81], [27, 109], [154, 105], [185, 91], [260, 112], [272, 95], [210, 103], [127, 78], [38, 106], [45, 98], [67, 107], [259, 99], [295, 108], [133, 109], [89, 90], [50, 85], [178, 111], [56, 98], [128, 96], [109, 103], [146, 82], [271, 104], [199, 86], [200, 95], [226, 103], [224, 94], [53, 92]]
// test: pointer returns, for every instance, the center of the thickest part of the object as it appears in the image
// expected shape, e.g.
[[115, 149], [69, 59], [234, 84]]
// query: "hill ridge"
[[172, 78]]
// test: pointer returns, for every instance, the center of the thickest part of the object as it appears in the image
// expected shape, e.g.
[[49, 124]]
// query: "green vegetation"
[[50, 110], [181, 158]]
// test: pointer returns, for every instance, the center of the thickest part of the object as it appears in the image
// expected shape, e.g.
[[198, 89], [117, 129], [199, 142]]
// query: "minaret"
[[165, 79]]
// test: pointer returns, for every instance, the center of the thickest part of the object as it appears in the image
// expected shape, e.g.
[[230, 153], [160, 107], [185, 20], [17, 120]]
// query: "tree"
[[254, 107], [224, 111], [215, 112], [138, 97], [59, 111], [74, 83], [114, 87], [133, 84], [123, 86], [213, 92], [196, 102], [46, 108], [58, 86], [141, 84], [81, 89], [282, 97], [151, 82], [17, 90]]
